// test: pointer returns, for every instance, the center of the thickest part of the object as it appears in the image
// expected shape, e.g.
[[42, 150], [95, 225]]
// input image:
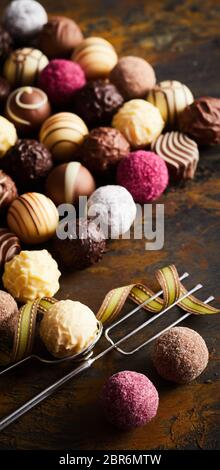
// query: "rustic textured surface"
[[183, 39]]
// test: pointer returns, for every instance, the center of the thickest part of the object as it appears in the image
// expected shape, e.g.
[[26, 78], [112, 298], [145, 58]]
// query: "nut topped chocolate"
[[201, 120], [59, 36], [8, 191], [97, 102]]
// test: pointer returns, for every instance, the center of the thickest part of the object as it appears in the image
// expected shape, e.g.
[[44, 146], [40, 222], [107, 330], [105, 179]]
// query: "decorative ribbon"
[[110, 309]]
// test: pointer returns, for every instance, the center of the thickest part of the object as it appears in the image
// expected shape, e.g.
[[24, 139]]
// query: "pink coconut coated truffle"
[[144, 175], [129, 400], [60, 79]]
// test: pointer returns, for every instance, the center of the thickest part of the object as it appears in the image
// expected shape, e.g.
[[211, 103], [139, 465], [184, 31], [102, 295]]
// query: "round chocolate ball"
[[5, 90], [8, 318], [8, 191], [68, 181], [85, 245], [180, 355], [129, 400], [24, 19], [27, 108], [96, 56], [103, 149], [133, 76], [97, 102], [23, 66], [28, 163], [201, 120], [59, 36], [9, 246], [6, 44]]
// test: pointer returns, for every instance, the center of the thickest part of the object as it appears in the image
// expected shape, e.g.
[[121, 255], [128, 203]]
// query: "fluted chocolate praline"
[[59, 37], [6, 44], [9, 246], [28, 162], [102, 149], [97, 102], [201, 120], [85, 246], [8, 191]]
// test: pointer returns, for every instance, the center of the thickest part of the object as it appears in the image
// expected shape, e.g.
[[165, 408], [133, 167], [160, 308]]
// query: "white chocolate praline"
[[67, 328], [8, 135], [23, 66], [139, 121]]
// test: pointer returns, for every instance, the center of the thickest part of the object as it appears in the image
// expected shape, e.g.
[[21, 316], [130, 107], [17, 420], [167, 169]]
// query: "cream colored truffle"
[[171, 98], [96, 56], [67, 328], [139, 121], [23, 66], [31, 275], [8, 135]]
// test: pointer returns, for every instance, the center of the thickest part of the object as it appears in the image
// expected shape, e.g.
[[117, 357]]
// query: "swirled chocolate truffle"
[[28, 163], [201, 120], [97, 102], [102, 149], [9, 246], [8, 191], [6, 44], [84, 246], [59, 37], [5, 90]]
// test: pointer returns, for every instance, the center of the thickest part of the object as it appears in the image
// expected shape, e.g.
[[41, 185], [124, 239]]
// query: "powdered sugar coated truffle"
[[24, 19], [129, 400]]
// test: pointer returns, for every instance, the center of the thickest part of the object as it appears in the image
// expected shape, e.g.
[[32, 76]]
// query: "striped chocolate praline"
[[23, 66], [8, 191], [9, 246]]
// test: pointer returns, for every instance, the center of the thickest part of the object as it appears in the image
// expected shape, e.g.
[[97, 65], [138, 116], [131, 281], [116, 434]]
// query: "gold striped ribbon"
[[111, 307]]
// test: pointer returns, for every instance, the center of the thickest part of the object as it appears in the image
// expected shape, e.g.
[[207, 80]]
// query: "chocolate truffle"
[[5, 90], [180, 355], [9, 246], [6, 44], [68, 328], [133, 76], [114, 208], [68, 181], [144, 175], [23, 66], [171, 98], [180, 153], [8, 191], [27, 108], [97, 102], [201, 120], [24, 19], [62, 134], [8, 135], [129, 400], [139, 121], [96, 56], [59, 37], [102, 149], [33, 217], [84, 245], [61, 79], [8, 318], [31, 275], [28, 162]]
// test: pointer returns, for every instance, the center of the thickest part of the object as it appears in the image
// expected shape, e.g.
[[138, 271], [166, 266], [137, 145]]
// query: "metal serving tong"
[[86, 356]]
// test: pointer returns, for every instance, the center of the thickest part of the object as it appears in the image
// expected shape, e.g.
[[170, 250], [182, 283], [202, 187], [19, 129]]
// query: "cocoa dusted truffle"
[[28, 163], [6, 44], [84, 246], [8, 191], [9, 246], [201, 120], [102, 149], [97, 102], [8, 318], [5, 90], [59, 37], [133, 76]]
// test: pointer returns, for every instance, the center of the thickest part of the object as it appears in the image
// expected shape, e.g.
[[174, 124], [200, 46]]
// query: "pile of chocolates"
[[74, 116]]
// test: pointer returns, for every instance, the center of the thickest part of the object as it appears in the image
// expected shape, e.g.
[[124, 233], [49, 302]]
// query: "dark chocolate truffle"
[[28, 108], [59, 37], [97, 102], [102, 149], [5, 90], [201, 120], [180, 355], [133, 76], [68, 181], [8, 191], [28, 162], [6, 44], [8, 318], [9, 246], [84, 246]]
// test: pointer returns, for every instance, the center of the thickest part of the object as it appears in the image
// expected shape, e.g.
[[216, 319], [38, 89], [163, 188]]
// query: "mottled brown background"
[[182, 39]]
